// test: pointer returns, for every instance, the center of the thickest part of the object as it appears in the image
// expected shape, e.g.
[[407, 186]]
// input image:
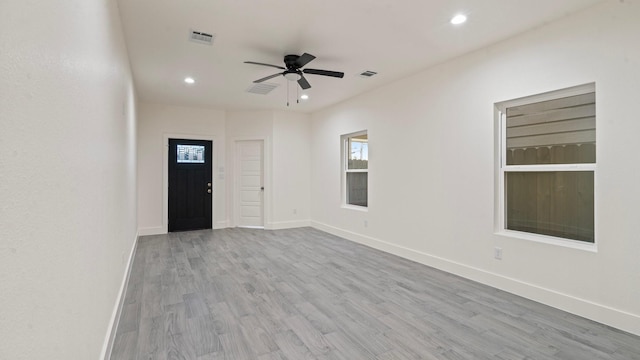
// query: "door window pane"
[[193, 154]]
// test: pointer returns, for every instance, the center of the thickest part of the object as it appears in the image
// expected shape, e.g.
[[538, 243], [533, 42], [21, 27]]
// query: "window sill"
[[355, 207], [573, 244]]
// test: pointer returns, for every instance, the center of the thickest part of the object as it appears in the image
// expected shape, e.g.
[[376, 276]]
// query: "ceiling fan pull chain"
[[287, 93]]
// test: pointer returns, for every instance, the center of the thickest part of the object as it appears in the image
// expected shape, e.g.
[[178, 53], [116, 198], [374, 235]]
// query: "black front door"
[[190, 185]]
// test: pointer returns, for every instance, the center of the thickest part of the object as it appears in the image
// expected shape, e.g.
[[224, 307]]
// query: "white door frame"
[[266, 179], [165, 175]]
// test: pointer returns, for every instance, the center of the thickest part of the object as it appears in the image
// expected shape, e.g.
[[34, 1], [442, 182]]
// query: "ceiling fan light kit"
[[292, 76]]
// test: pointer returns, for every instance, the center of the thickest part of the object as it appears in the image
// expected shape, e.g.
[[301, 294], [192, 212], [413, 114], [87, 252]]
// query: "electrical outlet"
[[295, 211], [497, 253], [366, 223]]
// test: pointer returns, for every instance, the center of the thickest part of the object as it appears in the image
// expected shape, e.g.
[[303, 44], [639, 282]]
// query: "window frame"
[[345, 151], [503, 168]]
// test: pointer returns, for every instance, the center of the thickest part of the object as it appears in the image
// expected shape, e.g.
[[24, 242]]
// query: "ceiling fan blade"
[[324, 72], [304, 59], [263, 64], [267, 78], [304, 84]]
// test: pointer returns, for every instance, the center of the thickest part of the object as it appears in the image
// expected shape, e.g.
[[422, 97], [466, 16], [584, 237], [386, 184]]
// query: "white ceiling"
[[394, 38]]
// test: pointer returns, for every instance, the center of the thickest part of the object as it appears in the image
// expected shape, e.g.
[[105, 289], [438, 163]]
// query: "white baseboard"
[[278, 225], [159, 230], [107, 347], [221, 224], [588, 309], [156, 230]]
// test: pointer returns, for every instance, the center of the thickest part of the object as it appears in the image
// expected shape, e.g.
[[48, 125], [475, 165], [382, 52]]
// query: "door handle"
[[209, 191], [208, 184], [261, 188]]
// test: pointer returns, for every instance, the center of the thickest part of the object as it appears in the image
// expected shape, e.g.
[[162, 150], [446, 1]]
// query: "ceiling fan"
[[294, 72]]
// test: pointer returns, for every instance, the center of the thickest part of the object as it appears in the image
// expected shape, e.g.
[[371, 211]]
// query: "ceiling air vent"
[[201, 37], [367, 73], [261, 88]]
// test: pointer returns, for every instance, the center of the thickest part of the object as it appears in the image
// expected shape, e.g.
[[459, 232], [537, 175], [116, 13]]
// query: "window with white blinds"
[[547, 164]]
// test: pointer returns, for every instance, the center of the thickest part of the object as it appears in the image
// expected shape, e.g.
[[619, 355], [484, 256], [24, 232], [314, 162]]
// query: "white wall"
[[156, 124], [67, 176], [291, 169], [249, 125], [286, 138], [431, 182], [287, 155]]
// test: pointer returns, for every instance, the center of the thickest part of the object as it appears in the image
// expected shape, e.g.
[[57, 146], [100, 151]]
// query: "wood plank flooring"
[[304, 294]]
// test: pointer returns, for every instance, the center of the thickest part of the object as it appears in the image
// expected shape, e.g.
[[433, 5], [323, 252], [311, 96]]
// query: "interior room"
[[322, 180]]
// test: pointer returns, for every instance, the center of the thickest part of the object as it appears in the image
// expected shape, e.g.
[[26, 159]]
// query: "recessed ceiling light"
[[189, 80], [304, 96], [458, 19]]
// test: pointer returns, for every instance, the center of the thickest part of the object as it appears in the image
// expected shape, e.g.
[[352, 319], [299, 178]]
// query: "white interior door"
[[250, 199]]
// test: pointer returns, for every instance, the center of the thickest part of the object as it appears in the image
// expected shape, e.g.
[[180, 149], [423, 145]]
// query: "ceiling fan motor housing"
[[290, 61]]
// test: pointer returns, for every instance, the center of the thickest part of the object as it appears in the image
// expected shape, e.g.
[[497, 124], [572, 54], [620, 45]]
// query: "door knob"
[[209, 191], [209, 184]]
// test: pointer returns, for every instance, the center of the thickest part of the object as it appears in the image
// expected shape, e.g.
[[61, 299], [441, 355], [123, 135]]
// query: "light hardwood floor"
[[304, 294]]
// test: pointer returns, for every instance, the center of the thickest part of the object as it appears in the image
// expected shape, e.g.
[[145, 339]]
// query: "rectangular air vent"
[[368, 73], [201, 37], [261, 88]]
